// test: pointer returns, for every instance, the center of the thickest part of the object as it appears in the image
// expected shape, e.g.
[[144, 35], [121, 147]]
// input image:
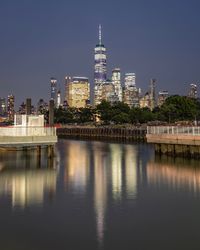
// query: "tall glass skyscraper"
[[99, 69], [53, 82]]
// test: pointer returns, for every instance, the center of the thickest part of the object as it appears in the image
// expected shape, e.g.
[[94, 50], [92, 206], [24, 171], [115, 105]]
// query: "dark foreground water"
[[98, 195]]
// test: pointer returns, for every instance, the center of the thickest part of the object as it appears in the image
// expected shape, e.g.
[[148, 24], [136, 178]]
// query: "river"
[[98, 195]]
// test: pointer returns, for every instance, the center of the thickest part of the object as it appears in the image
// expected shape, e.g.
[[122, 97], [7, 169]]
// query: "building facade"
[[130, 92], [10, 107], [152, 94], [100, 69], [53, 83], [68, 79], [116, 80], [78, 92], [145, 101]]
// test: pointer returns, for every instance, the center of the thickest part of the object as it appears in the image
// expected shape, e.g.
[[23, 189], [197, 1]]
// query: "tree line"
[[176, 108]]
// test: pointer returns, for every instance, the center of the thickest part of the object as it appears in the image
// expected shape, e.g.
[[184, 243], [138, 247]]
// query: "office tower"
[[193, 91], [162, 96], [3, 106], [58, 104], [152, 94], [10, 107], [130, 93], [145, 101], [116, 80], [130, 80], [78, 92], [53, 82], [99, 69], [108, 92], [68, 79]]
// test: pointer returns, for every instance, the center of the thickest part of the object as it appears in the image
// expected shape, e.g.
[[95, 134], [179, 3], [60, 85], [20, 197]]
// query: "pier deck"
[[175, 140]]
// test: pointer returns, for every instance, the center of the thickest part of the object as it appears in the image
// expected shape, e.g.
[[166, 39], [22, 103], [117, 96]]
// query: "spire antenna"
[[100, 34]]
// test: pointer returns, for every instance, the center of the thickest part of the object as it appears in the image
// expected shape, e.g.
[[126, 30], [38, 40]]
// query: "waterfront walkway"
[[27, 136], [175, 140]]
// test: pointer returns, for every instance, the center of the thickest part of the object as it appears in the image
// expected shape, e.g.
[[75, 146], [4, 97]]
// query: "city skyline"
[[153, 40]]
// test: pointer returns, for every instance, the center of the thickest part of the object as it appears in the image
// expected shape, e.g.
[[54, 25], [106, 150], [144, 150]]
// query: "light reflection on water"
[[25, 179], [176, 173], [109, 189], [112, 167]]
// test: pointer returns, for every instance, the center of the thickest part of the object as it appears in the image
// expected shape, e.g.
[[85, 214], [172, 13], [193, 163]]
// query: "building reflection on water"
[[25, 179], [77, 162], [175, 173], [110, 168]]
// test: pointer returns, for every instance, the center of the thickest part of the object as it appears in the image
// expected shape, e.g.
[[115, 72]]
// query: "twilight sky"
[[40, 39]]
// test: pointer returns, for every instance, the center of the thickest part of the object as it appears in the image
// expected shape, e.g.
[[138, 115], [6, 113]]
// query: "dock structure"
[[132, 134], [175, 140], [28, 132]]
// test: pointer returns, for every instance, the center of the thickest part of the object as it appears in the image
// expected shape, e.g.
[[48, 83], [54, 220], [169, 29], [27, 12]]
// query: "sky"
[[40, 39]]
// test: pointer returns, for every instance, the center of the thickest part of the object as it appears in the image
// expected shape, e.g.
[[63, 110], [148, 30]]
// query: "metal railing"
[[173, 130], [27, 131]]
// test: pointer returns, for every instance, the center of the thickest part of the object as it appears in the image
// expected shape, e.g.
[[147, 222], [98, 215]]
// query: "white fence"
[[27, 131], [173, 130]]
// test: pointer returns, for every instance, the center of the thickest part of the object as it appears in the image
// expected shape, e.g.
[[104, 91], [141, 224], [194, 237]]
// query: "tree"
[[104, 109]]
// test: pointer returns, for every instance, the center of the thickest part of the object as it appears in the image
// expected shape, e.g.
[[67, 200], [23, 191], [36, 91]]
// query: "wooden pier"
[[135, 134]]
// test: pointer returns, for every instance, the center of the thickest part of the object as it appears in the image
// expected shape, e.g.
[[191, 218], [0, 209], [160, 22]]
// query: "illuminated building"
[[3, 106], [193, 91], [152, 94], [78, 92], [145, 101], [162, 96], [58, 104], [130, 93], [68, 79], [116, 80], [100, 69], [53, 82], [10, 107], [108, 92]]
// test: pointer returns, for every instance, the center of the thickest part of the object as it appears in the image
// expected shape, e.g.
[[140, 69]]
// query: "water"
[[98, 195]]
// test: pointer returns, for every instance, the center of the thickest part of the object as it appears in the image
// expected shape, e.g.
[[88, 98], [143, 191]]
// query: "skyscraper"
[[10, 107], [68, 79], [130, 80], [58, 104], [116, 80], [53, 83], [152, 94], [99, 69], [131, 93]]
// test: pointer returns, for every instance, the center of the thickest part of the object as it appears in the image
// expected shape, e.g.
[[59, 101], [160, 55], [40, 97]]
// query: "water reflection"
[[116, 166], [101, 161], [175, 173], [131, 156], [25, 178], [77, 166], [110, 169]]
